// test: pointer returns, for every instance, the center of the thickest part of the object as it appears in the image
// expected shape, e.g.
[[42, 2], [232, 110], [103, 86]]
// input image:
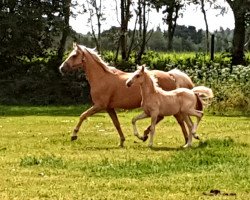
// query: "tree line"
[[31, 29]]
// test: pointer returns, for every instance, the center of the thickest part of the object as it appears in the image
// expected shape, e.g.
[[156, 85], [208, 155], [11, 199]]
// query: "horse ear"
[[142, 68], [75, 45]]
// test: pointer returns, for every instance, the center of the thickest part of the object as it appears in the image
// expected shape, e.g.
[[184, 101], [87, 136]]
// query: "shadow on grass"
[[211, 143], [167, 148]]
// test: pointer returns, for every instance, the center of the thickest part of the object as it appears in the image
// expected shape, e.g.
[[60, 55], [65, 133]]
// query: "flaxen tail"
[[203, 92]]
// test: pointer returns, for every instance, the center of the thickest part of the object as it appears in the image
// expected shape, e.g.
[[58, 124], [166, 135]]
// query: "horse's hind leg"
[[117, 125], [94, 109], [147, 131], [180, 119], [196, 136], [190, 127], [198, 114]]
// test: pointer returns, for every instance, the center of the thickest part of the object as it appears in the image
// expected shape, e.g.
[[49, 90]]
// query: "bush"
[[38, 82]]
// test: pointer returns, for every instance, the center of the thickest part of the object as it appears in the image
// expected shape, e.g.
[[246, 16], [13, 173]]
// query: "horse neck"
[[93, 70], [147, 87]]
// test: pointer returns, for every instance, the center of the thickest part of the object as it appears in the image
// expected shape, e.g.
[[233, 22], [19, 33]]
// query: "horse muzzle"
[[63, 68]]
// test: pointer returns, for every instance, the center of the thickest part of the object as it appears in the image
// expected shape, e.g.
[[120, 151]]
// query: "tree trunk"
[[205, 19], [172, 16], [125, 16], [144, 33], [65, 31], [239, 9], [238, 39]]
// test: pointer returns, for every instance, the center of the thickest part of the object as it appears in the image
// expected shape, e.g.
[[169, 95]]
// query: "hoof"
[[73, 137], [196, 136], [144, 138], [187, 145]]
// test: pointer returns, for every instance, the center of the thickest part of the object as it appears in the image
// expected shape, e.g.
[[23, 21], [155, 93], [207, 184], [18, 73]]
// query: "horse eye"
[[137, 76]]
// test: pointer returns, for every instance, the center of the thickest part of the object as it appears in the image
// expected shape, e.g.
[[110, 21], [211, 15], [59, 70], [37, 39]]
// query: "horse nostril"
[[128, 84]]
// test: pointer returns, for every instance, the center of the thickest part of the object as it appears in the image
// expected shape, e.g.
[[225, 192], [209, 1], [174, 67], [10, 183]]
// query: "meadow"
[[38, 160]]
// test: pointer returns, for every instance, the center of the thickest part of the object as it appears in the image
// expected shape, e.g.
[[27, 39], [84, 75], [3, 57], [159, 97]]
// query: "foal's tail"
[[203, 93]]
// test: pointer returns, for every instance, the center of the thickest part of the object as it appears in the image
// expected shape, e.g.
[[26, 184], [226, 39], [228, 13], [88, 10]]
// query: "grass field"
[[38, 160]]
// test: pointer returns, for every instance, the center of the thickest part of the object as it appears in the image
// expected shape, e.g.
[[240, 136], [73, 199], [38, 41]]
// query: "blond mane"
[[153, 78], [98, 59]]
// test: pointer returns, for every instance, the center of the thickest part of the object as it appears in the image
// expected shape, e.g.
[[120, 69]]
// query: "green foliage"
[[27, 27], [230, 83], [39, 83]]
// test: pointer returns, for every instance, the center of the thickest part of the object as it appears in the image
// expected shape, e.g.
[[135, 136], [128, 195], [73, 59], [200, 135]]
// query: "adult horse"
[[108, 89]]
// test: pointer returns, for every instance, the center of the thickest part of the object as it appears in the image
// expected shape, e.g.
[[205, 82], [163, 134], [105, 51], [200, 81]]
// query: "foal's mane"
[[98, 59], [153, 79]]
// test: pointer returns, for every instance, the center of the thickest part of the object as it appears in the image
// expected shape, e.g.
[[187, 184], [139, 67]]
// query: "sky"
[[191, 17]]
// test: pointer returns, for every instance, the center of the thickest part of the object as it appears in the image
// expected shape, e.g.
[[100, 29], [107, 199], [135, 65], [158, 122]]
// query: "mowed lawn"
[[38, 160]]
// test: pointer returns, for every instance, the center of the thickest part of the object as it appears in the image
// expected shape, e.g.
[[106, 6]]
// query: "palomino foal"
[[157, 102]]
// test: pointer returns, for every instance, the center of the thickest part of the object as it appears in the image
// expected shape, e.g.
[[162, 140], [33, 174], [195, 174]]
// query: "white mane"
[[98, 59], [153, 78]]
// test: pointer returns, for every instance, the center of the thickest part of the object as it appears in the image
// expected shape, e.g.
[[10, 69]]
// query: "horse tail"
[[199, 103], [202, 93]]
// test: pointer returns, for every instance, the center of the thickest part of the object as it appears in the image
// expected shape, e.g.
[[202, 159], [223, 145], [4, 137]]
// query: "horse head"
[[74, 61], [136, 76]]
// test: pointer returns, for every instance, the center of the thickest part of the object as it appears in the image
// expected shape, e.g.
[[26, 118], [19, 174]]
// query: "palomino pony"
[[108, 90], [157, 102]]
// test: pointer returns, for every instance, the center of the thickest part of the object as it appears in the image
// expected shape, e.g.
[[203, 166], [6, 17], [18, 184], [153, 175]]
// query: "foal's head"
[[137, 77], [74, 60]]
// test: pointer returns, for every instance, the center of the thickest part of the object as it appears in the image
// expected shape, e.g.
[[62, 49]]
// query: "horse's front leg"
[[117, 125], [152, 130], [147, 131], [138, 117], [94, 109]]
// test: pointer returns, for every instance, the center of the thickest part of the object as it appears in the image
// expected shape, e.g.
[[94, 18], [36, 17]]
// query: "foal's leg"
[[152, 130], [117, 125], [190, 127], [138, 117], [195, 127], [94, 109], [198, 114], [147, 131], [180, 119], [193, 130]]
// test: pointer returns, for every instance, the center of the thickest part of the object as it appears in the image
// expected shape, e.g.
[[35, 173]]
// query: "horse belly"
[[126, 98], [169, 107]]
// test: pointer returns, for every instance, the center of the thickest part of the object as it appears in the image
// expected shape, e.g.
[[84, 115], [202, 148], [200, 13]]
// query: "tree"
[[28, 28], [96, 9], [241, 9], [142, 6], [172, 8], [125, 17], [65, 29]]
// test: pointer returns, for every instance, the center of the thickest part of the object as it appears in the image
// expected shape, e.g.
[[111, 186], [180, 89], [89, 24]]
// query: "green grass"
[[38, 160]]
